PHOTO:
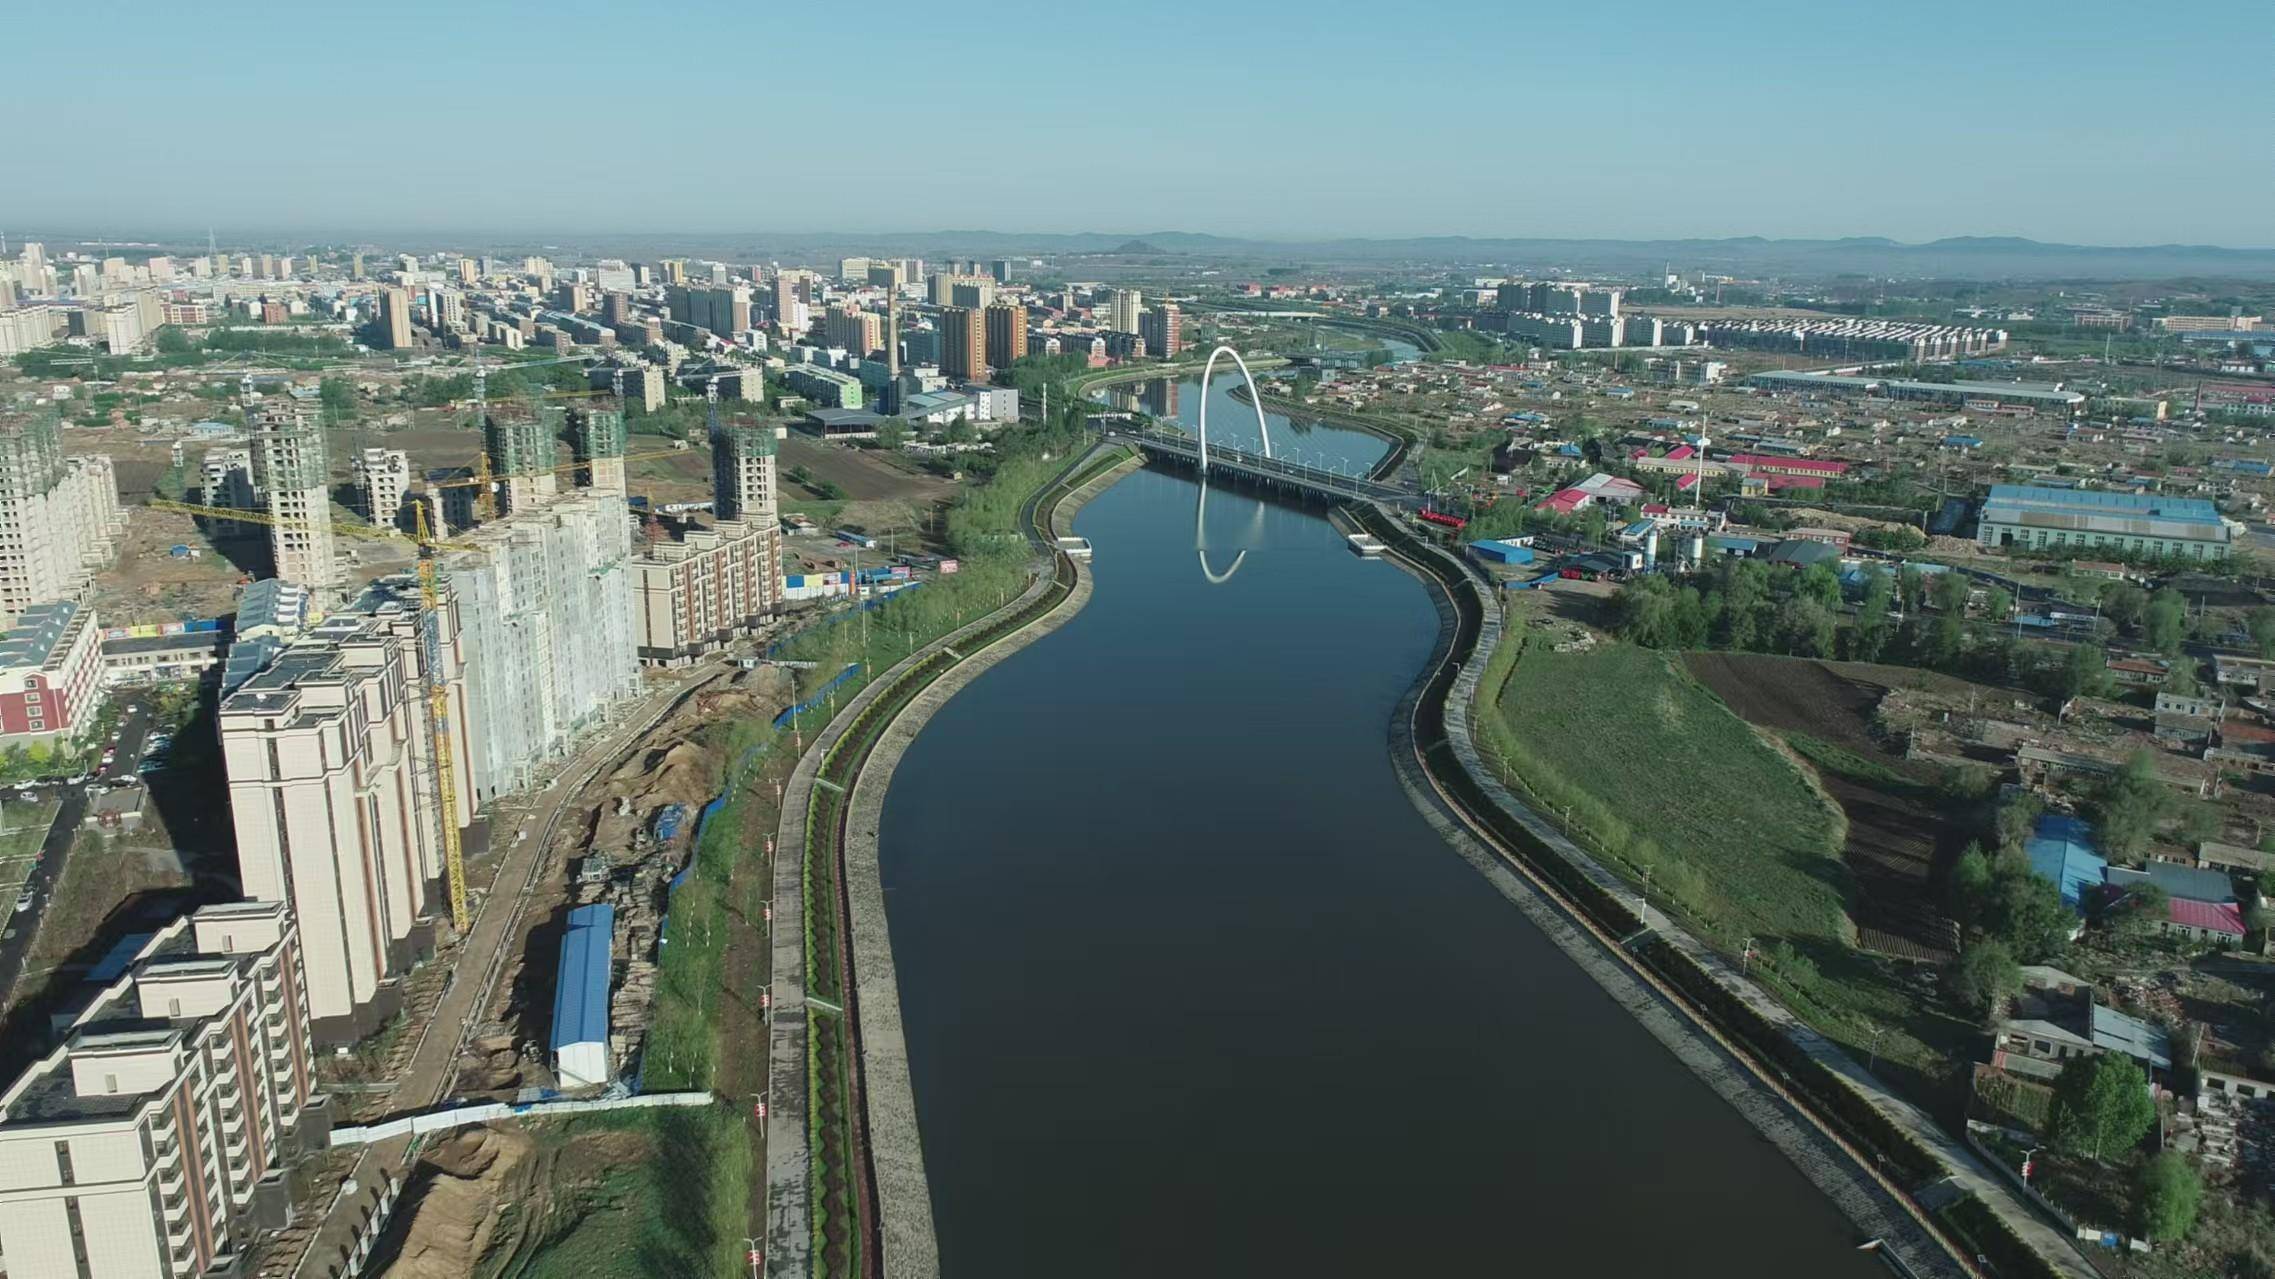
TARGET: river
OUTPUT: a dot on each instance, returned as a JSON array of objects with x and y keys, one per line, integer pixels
[{"x": 1191, "y": 989}]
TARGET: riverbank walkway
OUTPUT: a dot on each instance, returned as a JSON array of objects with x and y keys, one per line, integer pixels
[{"x": 1763, "y": 1102}]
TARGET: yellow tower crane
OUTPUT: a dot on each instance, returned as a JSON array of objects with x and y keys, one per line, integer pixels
[{"x": 430, "y": 660}]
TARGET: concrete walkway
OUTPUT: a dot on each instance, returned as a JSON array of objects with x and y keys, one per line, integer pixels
[
  {"x": 1840, "y": 1175},
  {"x": 896, "y": 1150}
]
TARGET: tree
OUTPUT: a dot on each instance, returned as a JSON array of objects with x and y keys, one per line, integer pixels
[
  {"x": 2182, "y": 681},
  {"x": 2139, "y": 911},
  {"x": 2027, "y": 912},
  {"x": 1911, "y": 587},
  {"x": 1822, "y": 584},
  {"x": 2102, "y": 1105},
  {"x": 1951, "y": 592},
  {"x": 2124, "y": 604},
  {"x": 1986, "y": 976},
  {"x": 2261, "y": 622},
  {"x": 2167, "y": 621},
  {"x": 2166, "y": 1194},
  {"x": 2083, "y": 673},
  {"x": 1998, "y": 604},
  {"x": 2016, "y": 820},
  {"x": 2130, "y": 805},
  {"x": 1967, "y": 888},
  {"x": 1805, "y": 628},
  {"x": 337, "y": 395},
  {"x": 892, "y": 432}
]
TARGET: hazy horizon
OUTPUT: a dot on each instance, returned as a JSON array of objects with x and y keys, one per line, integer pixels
[{"x": 1273, "y": 121}]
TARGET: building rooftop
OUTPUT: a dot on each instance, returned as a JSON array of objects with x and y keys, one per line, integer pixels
[
  {"x": 2061, "y": 850},
  {"x": 38, "y": 633},
  {"x": 580, "y": 992}
]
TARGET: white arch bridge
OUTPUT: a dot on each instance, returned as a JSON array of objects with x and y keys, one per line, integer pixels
[{"x": 1260, "y": 468}]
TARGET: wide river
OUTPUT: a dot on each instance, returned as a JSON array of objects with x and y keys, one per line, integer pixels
[{"x": 1190, "y": 988}]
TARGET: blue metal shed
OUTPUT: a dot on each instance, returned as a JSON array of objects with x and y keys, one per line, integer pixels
[{"x": 580, "y": 997}]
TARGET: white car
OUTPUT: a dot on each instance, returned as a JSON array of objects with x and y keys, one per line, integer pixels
[{"x": 26, "y": 899}]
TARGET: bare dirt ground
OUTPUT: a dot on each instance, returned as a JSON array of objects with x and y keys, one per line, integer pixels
[
  {"x": 1897, "y": 832},
  {"x": 679, "y": 764},
  {"x": 865, "y": 474}
]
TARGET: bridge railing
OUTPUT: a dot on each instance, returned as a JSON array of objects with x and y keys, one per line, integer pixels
[{"x": 1281, "y": 468}]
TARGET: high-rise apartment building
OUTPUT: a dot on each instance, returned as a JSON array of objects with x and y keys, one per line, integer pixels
[
  {"x": 1122, "y": 310},
  {"x": 383, "y": 479},
  {"x": 973, "y": 293},
  {"x": 724, "y": 311},
  {"x": 858, "y": 331},
  {"x": 853, "y": 270},
  {"x": 1006, "y": 334},
  {"x": 884, "y": 275},
  {"x": 161, "y": 1135},
  {"x": 1163, "y": 328},
  {"x": 330, "y": 760},
  {"x": 963, "y": 344},
  {"x": 395, "y": 316},
  {"x": 59, "y": 516},
  {"x": 706, "y": 586},
  {"x": 788, "y": 306},
  {"x": 547, "y": 601},
  {"x": 293, "y": 473}
]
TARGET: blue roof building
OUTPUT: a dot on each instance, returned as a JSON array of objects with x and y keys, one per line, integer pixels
[
  {"x": 2061, "y": 850},
  {"x": 580, "y": 998}
]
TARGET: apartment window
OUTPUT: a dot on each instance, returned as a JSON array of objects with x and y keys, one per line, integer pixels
[
  {"x": 63, "y": 1164},
  {"x": 110, "y": 1083},
  {"x": 173, "y": 1008},
  {"x": 78, "y": 1238}
]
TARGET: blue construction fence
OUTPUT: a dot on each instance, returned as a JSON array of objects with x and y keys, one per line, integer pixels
[{"x": 820, "y": 695}]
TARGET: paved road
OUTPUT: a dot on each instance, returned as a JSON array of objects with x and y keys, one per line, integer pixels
[{"x": 21, "y": 928}]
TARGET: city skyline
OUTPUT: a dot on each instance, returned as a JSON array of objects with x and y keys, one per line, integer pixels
[{"x": 1273, "y": 122}]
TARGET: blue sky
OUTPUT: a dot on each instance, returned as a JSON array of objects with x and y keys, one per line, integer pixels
[{"x": 2092, "y": 121}]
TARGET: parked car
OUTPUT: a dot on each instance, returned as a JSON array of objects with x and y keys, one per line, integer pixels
[{"x": 26, "y": 899}]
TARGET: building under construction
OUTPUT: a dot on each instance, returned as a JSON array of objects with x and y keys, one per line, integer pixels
[
  {"x": 292, "y": 471},
  {"x": 523, "y": 444}
]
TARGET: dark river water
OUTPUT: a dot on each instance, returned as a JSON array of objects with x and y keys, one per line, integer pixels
[{"x": 1190, "y": 988}]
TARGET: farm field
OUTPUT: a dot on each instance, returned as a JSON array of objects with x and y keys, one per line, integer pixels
[{"x": 1900, "y": 822}]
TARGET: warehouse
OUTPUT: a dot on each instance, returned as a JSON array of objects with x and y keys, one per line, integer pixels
[
  {"x": 2026, "y": 517},
  {"x": 2034, "y": 396}
]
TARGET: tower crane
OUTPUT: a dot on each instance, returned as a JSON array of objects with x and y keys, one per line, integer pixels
[{"x": 430, "y": 653}]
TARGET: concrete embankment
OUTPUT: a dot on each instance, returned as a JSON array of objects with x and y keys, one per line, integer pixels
[
  {"x": 1442, "y": 770},
  {"x": 896, "y": 1152}
]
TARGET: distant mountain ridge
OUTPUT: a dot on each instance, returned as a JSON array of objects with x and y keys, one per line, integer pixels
[
  {"x": 1967, "y": 255},
  {"x": 1953, "y": 257}
]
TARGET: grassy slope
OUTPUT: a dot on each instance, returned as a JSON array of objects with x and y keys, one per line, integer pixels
[
  {"x": 1656, "y": 771},
  {"x": 1671, "y": 766}
]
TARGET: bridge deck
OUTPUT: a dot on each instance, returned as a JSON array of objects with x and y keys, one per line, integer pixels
[{"x": 1269, "y": 470}]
